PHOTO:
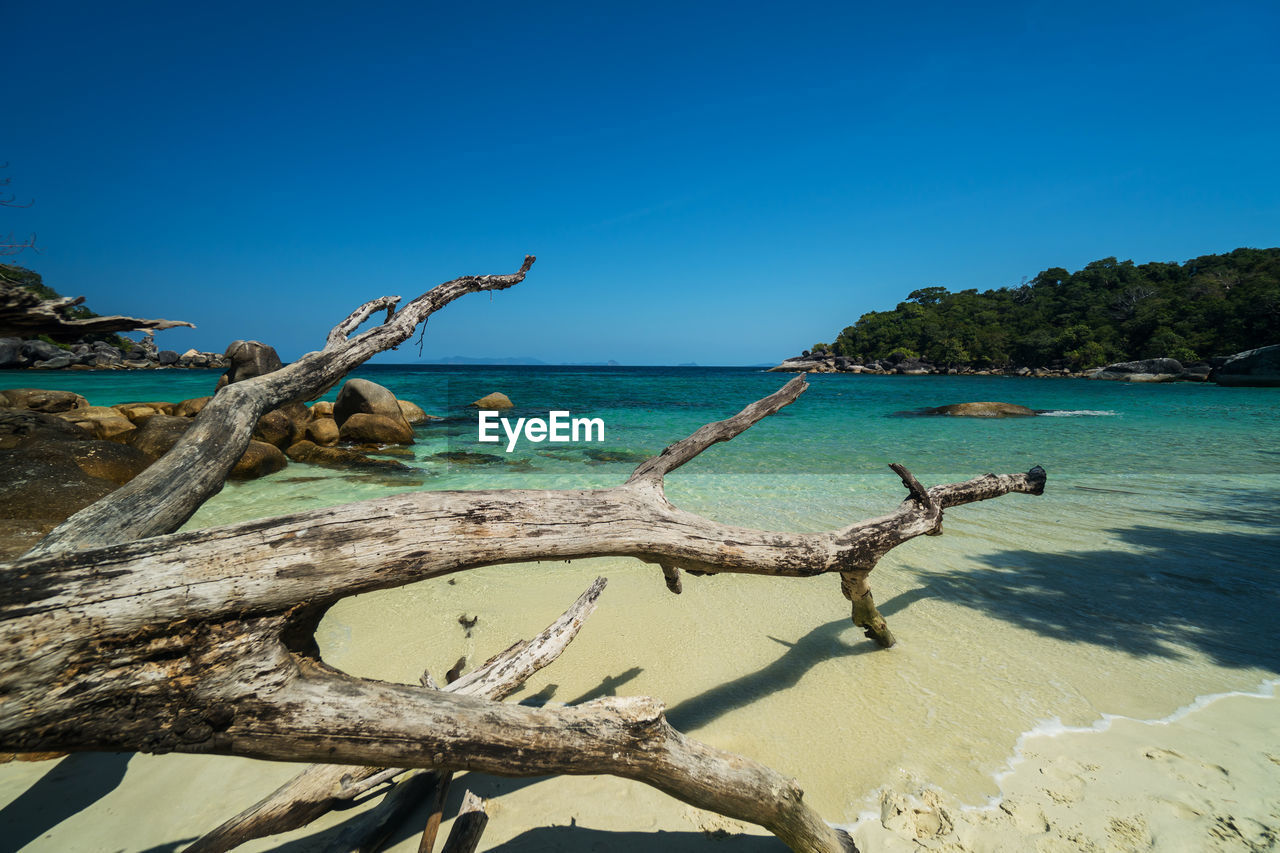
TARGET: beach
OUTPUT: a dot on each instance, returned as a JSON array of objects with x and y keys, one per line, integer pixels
[{"x": 1072, "y": 669}]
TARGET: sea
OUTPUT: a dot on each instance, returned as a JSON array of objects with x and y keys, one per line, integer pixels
[{"x": 1144, "y": 579}]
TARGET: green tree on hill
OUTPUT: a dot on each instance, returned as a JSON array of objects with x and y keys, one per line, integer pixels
[{"x": 1109, "y": 311}]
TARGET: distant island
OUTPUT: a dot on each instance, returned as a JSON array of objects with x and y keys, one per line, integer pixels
[{"x": 1110, "y": 311}]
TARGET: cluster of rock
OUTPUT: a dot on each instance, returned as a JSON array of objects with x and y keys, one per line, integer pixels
[
  {"x": 100, "y": 355},
  {"x": 902, "y": 365},
  {"x": 61, "y": 454},
  {"x": 1257, "y": 367}
]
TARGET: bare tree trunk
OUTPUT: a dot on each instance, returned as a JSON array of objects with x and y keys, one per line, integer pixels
[{"x": 204, "y": 641}]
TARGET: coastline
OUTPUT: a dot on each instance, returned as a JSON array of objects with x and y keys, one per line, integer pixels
[{"x": 988, "y": 648}]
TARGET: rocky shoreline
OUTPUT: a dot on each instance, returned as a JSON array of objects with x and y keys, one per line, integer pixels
[
  {"x": 61, "y": 454},
  {"x": 100, "y": 355},
  {"x": 1258, "y": 367}
]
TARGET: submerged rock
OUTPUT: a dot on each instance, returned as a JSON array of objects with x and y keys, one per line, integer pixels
[
  {"x": 342, "y": 458},
  {"x": 985, "y": 409},
  {"x": 496, "y": 400},
  {"x": 466, "y": 457},
  {"x": 1253, "y": 368}
]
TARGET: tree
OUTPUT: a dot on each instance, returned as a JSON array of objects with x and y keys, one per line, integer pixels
[
  {"x": 9, "y": 244},
  {"x": 118, "y": 634}
]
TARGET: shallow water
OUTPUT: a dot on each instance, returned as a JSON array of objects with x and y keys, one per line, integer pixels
[{"x": 1146, "y": 576}]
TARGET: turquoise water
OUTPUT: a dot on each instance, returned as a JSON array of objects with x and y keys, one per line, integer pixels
[{"x": 1146, "y": 576}]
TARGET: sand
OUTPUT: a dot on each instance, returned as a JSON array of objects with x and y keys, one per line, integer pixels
[{"x": 1204, "y": 779}]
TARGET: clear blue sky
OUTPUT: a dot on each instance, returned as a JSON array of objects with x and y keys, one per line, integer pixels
[{"x": 725, "y": 183}]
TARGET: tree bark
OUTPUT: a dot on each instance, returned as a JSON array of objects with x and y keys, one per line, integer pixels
[{"x": 204, "y": 641}]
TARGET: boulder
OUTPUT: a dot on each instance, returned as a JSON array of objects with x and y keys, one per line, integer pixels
[
  {"x": 322, "y": 409},
  {"x": 167, "y": 357},
  {"x": 101, "y": 421},
  {"x": 58, "y": 362},
  {"x": 11, "y": 352},
  {"x": 109, "y": 460},
  {"x": 135, "y": 412},
  {"x": 496, "y": 400},
  {"x": 323, "y": 431},
  {"x": 259, "y": 459},
  {"x": 158, "y": 434},
  {"x": 191, "y": 408},
  {"x": 42, "y": 486},
  {"x": 413, "y": 413},
  {"x": 39, "y": 400},
  {"x": 249, "y": 359},
  {"x": 276, "y": 428},
  {"x": 38, "y": 350},
  {"x": 343, "y": 458},
  {"x": 363, "y": 428},
  {"x": 986, "y": 409},
  {"x": 1146, "y": 370},
  {"x": 362, "y": 396},
  {"x": 17, "y": 426},
  {"x": 1256, "y": 368}
]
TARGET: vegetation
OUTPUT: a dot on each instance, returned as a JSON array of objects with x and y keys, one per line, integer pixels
[
  {"x": 1107, "y": 312},
  {"x": 31, "y": 280}
]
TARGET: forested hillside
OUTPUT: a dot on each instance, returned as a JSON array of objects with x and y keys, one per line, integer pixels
[{"x": 1107, "y": 312}]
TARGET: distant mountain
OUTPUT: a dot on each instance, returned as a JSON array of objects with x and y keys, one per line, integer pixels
[{"x": 466, "y": 359}]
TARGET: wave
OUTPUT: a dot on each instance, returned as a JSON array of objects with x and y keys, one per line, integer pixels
[
  {"x": 1054, "y": 728},
  {"x": 1078, "y": 413}
]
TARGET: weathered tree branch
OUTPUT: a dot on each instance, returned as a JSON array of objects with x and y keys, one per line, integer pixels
[
  {"x": 321, "y": 787},
  {"x": 204, "y": 641},
  {"x": 164, "y": 496}
]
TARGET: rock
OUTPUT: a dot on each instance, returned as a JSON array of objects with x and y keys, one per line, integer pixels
[
  {"x": 37, "y": 350},
  {"x": 107, "y": 358},
  {"x": 19, "y": 425},
  {"x": 167, "y": 357},
  {"x": 362, "y": 396},
  {"x": 11, "y": 352},
  {"x": 249, "y": 359},
  {"x": 1254, "y": 368},
  {"x": 323, "y": 431},
  {"x": 58, "y": 362},
  {"x": 322, "y": 409},
  {"x": 102, "y": 422},
  {"x": 343, "y": 458},
  {"x": 109, "y": 460},
  {"x": 158, "y": 434},
  {"x": 467, "y": 457},
  {"x": 1146, "y": 370},
  {"x": 982, "y": 410},
  {"x": 191, "y": 408},
  {"x": 39, "y": 400},
  {"x": 135, "y": 412},
  {"x": 259, "y": 459},
  {"x": 276, "y": 428},
  {"x": 413, "y": 413},
  {"x": 1196, "y": 372},
  {"x": 496, "y": 400},
  {"x": 363, "y": 428},
  {"x": 42, "y": 486}
]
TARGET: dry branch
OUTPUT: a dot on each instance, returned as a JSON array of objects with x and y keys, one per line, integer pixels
[
  {"x": 322, "y": 787},
  {"x": 165, "y": 495},
  {"x": 204, "y": 641},
  {"x": 24, "y": 314}
]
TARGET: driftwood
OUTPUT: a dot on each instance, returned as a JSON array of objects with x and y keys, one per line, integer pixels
[
  {"x": 467, "y": 828},
  {"x": 324, "y": 786},
  {"x": 24, "y": 314},
  {"x": 203, "y": 641}
]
